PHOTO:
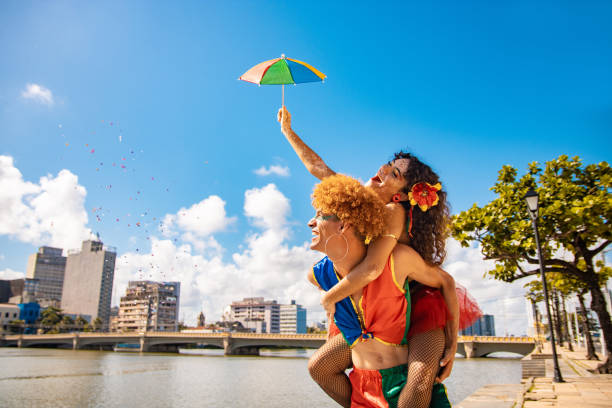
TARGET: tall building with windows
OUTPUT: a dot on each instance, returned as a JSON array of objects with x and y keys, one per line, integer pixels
[
  {"x": 149, "y": 306},
  {"x": 257, "y": 314},
  {"x": 88, "y": 281},
  {"x": 48, "y": 267},
  {"x": 292, "y": 318},
  {"x": 484, "y": 326}
]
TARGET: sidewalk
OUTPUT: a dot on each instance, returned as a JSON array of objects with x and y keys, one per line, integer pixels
[{"x": 581, "y": 388}]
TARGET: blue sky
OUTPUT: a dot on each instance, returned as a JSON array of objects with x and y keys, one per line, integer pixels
[{"x": 467, "y": 87}]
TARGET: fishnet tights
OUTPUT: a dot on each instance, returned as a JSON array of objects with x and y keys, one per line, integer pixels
[
  {"x": 327, "y": 367},
  {"x": 328, "y": 364},
  {"x": 424, "y": 354}
]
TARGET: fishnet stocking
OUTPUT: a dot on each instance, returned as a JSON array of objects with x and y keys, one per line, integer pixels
[
  {"x": 424, "y": 354},
  {"x": 327, "y": 367}
]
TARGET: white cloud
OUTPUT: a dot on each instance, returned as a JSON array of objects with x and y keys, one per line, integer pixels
[
  {"x": 51, "y": 212},
  {"x": 38, "y": 93},
  {"x": 282, "y": 171},
  {"x": 267, "y": 266},
  {"x": 200, "y": 220},
  {"x": 505, "y": 301},
  {"x": 9, "y": 274},
  {"x": 267, "y": 207}
]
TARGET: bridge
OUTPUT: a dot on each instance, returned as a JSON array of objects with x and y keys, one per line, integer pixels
[{"x": 236, "y": 343}]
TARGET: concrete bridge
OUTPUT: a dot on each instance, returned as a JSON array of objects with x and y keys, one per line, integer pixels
[
  {"x": 236, "y": 343},
  {"x": 482, "y": 346}
]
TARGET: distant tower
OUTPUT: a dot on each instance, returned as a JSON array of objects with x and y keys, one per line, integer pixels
[
  {"x": 88, "y": 282},
  {"x": 47, "y": 267},
  {"x": 201, "y": 320}
]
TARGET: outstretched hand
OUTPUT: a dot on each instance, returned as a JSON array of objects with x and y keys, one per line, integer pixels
[
  {"x": 446, "y": 364},
  {"x": 284, "y": 117}
]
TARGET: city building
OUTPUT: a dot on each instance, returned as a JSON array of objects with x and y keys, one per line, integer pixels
[
  {"x": 47, "y": 268},
  {"x": 8, "y": 313},
  {"x": 256, "y": 314},
  {"x": 484, "y": 326},
  {"x": 88, "y": 282},
  {"x": 292, "y": 318},
  {"x": 149, "y": 306},
  {"x": 10, "y": 288}
]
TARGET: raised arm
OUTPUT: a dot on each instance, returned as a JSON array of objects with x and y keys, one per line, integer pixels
[
  {"x": 314, "y": 164},
  {"x": 410, "y": 263},
  {"x": 373, "y": 264}
]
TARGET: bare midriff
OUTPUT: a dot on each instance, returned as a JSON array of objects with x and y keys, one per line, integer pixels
[{"x": 371, "y": 354}]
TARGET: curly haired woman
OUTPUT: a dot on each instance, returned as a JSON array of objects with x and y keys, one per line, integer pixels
[{"x": 433, "y": 334}]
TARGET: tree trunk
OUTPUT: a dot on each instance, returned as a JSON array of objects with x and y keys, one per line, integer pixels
[
  {"x": 598, "y": 304},
  {"x": 557, "y": 323},
  {"x": 566, "y": 324},
  {"x": 586, "y": 329}
]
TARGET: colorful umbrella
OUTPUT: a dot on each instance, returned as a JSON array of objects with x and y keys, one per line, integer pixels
[{"x": 281, "y": 71}]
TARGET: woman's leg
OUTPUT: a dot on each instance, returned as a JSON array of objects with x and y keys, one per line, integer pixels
[
  {"x": 424, "y": 354},
  {"x": 327, "y": 367}
]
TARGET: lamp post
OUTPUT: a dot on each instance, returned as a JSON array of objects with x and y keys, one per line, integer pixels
[{"x": 532, "y": 204}]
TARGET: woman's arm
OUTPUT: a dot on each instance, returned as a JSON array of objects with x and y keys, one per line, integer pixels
[
  {"x": 373, "y": 264},
  {"x": 314, "y": 164},
  {"x": 409, "y": 262}
]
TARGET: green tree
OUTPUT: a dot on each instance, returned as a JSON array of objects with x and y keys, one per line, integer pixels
[
  {"x": 97, "y": 324},
  {"x": 16, "y": 326},
  {"x": 67, "y": 323},
  {"x": 574, "y": 226},
  {"x": 50, "y": 319},
  {"x": 80, "y": 323}
]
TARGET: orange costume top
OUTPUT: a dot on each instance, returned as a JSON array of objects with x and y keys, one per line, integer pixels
[{"x": 384, "y": 306}]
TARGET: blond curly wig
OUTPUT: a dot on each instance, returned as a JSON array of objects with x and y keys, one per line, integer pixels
[{"x": 351, "y": 202}]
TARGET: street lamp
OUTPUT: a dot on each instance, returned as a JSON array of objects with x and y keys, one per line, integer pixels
[{"x": 532, "y": 204}]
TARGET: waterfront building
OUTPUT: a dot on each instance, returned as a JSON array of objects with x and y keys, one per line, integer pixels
[
  {"x": 256, "y": 314},
  {"x": 88, "y": 281},
  {"x": 484, "y": 326},
  {"x": 8, "y": 313},
  {"x": 292, "y": 318},
  {"x": 149, "y": 306},
  {"x": 29, "y": 312},
  {"x": 48, "y": 267},
  {"x": 10, "y": 289}
]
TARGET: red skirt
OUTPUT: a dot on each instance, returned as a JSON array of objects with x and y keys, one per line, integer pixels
[{"x": 429, "y": 311}]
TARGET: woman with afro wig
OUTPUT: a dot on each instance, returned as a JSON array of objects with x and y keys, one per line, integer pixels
[{"x": 435, "y": 320}]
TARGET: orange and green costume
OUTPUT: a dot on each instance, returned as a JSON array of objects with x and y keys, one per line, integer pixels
[{"x": 385, "y": 307}]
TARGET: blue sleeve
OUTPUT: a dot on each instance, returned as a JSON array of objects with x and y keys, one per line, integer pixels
[{"x": 324, "y": 274}]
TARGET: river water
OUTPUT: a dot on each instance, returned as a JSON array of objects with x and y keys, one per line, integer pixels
[{"x": 35, "y": 377}]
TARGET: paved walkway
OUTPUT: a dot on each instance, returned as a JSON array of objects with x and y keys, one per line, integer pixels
[{"x": 581, "y": 388}]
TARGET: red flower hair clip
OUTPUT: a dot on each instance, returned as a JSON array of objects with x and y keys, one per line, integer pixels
[{"x": 425, "y": 196}]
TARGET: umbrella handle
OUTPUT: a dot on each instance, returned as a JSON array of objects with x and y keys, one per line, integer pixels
[{"x": 283, "y": 97}]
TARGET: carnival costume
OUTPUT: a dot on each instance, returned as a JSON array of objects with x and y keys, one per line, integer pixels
[{"x": 386, "y": 309}]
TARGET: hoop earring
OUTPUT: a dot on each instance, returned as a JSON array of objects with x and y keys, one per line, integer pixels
[
  {"x": 345, "y": 241},
  {"x": 396, "y": 198}
]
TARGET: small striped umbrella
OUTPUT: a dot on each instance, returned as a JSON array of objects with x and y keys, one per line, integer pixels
[{"x": 281, "y": 71}]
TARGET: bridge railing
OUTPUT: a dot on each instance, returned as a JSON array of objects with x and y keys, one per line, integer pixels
[{"x": 495, "y": 339}]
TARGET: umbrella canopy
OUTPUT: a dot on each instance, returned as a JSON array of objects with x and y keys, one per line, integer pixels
[{"x": 282, "y": 71}]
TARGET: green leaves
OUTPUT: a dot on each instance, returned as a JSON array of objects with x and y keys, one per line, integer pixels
[{"x": 574, "y": 213}]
